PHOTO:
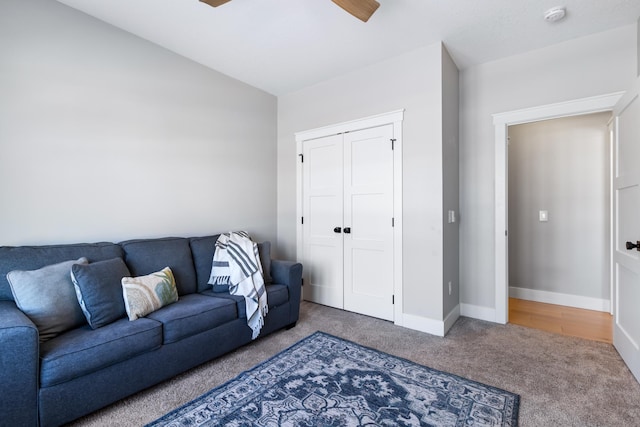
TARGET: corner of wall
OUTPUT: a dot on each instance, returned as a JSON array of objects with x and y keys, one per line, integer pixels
[
  {"x": 478, "y": 312},
  {"x": 423, "y": 324},
  {"x": 451, "y": 181},
  {"x": 451, "y": 318},
  {"x": 431, "y": 326}
]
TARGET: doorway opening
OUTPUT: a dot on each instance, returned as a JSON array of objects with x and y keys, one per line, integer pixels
[
  {"x": 559, "y": 225},
  {"x": 502, "y": 121}
]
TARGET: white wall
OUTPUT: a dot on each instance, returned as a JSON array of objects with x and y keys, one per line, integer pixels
[
  {"x": 561, "y": 166},
  {"x": 450, "y": 177},
  {"x": 411, "y": 81},
  {"x": 105, "y": 136},
  {"x": 594, "y": 65}
]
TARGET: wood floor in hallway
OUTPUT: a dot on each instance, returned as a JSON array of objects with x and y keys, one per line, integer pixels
[{"x": 575, "y": 322}]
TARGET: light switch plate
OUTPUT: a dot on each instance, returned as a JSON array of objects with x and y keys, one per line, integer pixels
[{"x": 544, "y": 216}]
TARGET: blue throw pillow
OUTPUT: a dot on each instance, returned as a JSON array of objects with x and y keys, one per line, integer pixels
[{"x": 99, "y": 290}]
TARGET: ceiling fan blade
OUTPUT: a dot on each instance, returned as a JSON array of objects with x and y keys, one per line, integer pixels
[
  {"x": 361, "y": 9},
  {"x": 215, "y": 3}
]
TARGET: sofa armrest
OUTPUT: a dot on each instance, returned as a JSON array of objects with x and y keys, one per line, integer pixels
[
  {"x": 19, "y": 361},
  {"x": 289, "y": 273}
]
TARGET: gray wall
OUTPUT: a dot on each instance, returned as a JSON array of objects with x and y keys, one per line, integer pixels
[
  {"x": 561, "y": 166},
  {"x": 411, "y": 81},
  {"x": 105, "y": 136},
  {"x": 594, "y": 65},
  {"x": 450, "y": 174}
]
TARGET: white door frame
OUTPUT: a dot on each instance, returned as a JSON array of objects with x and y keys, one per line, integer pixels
[
  {"x": 502, "y": 121},
  {"x": 394, "y": 118}
]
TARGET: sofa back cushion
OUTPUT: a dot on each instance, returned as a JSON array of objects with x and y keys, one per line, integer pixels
[
  {"x": 146, "y": 256},
  {"x": 35, "y": 257},
  {"x": 203, "y": 248},
  {"x": 264, "y": 250}
]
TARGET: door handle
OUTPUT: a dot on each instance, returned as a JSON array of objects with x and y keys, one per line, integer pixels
[
  {"x": 630, "y": 245},
  {"x": 347, "y": 230},
  {"x": 338, "y": 230}
]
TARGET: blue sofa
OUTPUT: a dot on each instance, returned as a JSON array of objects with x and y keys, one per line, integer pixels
[{"x": 85, "y": 369}]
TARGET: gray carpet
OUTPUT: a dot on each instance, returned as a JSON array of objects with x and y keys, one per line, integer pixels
[{"x": 561, "y": 381}]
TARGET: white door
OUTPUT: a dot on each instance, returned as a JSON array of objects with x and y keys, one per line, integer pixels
[
  {"x": 626, "y": 206},
  {"x": 347, "y": 209},
  {"x": 322, "y": 213},
  {"x": 368, "y": 216}
]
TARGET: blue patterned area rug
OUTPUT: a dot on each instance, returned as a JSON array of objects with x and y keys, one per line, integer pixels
[{"x": 327, "y": 381}]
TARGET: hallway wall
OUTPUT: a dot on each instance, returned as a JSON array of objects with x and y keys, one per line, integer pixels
[{"x": 560, "y": 166}]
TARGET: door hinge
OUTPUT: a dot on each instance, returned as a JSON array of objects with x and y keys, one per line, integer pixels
[
  {"x": 301, "y": 158},
  {"x": 505, "y": 233},
  {"x": 393, "y": 299},
  {"x": 393, "y": 222},
  {"x": 393, "y": 141},
  {"x": 301, "y": 220}
]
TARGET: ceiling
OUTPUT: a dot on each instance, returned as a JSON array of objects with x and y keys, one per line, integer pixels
[{"x": 281, "y": 46}]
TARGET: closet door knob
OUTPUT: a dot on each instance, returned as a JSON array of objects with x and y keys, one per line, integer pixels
[
  {"x": 630, "y": 245},
  {"x": 347, "y": 230},
  {"x": 338, "y": 230}
]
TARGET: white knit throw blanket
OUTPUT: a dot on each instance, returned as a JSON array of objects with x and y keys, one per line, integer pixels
[{"x": 236, "y": 258}]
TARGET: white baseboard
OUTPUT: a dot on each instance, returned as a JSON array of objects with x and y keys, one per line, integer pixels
[
  {"x": 451, "y": 318},
  {"x": 478, "y": 312},
  {"x": 577, "y": 301},
  {"x": 423, "y": 324},
  {"x": 430, "y": 326}
]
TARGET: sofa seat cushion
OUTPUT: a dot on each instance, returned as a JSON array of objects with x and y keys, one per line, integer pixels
[
  {"x": 193, "y": 314},
  {"x": 276, "y": 296},
  {"x": 85, "y": 350}
]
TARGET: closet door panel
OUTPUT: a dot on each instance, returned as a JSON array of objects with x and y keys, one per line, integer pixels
[
  {"x": 368, "y": 213},
  {"x": 322, "y": 213}
]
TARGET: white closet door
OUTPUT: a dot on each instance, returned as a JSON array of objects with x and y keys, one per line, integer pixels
[
  {"x": 368, "y": 229},
  {"x": 322, "y": 212}
]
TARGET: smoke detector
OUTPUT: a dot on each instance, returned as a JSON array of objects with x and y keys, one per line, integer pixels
[{"x": 555, "y": 14}]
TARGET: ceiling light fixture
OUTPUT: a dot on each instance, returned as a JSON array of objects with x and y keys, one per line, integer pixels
[{"x": 555, "y": 14}]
